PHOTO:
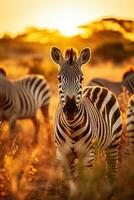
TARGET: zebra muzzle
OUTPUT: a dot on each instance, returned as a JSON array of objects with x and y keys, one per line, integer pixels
[{"x": 70, "y": 108}]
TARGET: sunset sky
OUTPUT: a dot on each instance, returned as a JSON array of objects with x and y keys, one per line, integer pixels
[{"x": 64, "y": 15}]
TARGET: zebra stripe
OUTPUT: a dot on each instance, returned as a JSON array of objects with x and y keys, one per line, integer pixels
[
  {"x": 116, "y": 87},
  {"x": 79, "y": 125},
  {"x": 130, "y": 123},
  {"x": 20, "y": 99},
  {"x": 128, "y": 81}
]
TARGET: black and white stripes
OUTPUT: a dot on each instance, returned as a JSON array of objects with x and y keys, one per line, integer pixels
[
  {"x": 130, "y": 124},
  {"x": 83, "y": 119},
  {"x": 116, "y": 87},
  {"x": 128, "y": 81},
  {"x": 20, "y": 99}
]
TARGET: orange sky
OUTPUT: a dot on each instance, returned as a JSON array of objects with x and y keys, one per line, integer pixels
[{"x": 65, "y": 15}]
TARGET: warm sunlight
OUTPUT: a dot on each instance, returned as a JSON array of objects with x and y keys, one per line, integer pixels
[
  {"x": 40, "y": 125},
  {"x": 62, "y": 15},
  {"x": 68, "y": 30},
  {"x": 67, "y": 20},
  {"x": 65, "y": 25}
]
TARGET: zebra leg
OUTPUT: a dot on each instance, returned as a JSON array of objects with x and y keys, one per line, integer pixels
[
  {"x": 112, "y": 156},
  {"x": 37, "y": 126},
  {"x": 89, "y": 160},
  {"x": 69, "y": 176},
  {"x": 45, "y": 112},
  {"x": 12, "y": 132},
  {"x": 68, "y": 172},
  {"x": 12, "y": 123},
  {"x": 73, "y": 177}
]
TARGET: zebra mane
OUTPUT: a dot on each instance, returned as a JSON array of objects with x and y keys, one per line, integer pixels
[
  {"x": 131, "y": 71},
  {"x": 2, "y": 72},
  {"x": 71, "y": 55}
]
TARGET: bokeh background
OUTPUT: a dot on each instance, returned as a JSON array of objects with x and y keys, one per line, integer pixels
[{"x": 28, "y": 30}]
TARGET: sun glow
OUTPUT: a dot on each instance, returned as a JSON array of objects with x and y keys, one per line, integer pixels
[
  {"x": 65, "y": 15},
  {"x": 67, "y": 20},
  {"x": 68, "y": 30}
]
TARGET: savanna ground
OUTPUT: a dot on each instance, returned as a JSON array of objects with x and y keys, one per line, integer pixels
[{"x": 32, "y": 174}]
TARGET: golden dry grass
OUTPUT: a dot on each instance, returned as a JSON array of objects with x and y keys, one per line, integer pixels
[{"x": 32, "y": 174}]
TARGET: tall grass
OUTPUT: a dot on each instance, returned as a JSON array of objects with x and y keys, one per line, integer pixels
[{"x": 32, "y": 173}]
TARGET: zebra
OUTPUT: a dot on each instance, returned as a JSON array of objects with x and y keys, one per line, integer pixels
[
  {"x": 20, "y": 99},
  {"x": 114, "y": 87},
  {"x": 83, "y": 118},
  {"x": 127, "y": 82},
  {"x": 130, "y": 124}
]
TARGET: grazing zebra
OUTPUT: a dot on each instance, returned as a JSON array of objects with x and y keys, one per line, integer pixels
[
  {"x": 130, "y": 123},
  {"x": 81, "y": 120},
  {"x": 114, "y": 87},
  {"x": 20, "y": 99}
]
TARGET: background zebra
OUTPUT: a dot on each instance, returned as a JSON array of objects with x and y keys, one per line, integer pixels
[
  {"x": 80, "y": 122},
  {"x": 20, "y": 99},
  {"x": 128, "y": 81},
  {"x": 130, "y": 124},
  {"x": 116, "y": 87}
]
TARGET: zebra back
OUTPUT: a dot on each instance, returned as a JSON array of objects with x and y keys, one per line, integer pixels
[
  {"x": 114, "y": 87},
  {"x": 32, "y": 92}
]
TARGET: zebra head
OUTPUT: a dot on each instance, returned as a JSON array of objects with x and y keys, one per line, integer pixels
[{"x": 70, "y": 78}]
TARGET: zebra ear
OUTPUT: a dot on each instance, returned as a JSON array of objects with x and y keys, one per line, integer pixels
[
  {"x": 57, "y": 56},
  {"x": 84, "y": 56}
]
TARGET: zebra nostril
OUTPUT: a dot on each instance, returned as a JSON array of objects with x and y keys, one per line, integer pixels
[{"x": 70, "y": 108}]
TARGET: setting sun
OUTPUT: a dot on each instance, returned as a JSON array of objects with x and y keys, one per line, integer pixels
[
  {"x": 66, "y": 23},
  {"x": 68, "y": 30},
  {"x": 66, "y": 19}
]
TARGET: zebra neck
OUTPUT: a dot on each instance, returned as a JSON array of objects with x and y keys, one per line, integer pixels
[{"x": 5, "y": 90}]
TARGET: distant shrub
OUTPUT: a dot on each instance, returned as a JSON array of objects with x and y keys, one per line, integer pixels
[
  {"x": 115, "y": 52},
  {"x": 36, "y": 70}
]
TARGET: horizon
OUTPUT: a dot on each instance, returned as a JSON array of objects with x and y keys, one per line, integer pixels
[{"x": 79, "y": 32}]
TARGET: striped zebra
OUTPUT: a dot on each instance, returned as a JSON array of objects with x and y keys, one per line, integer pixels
[
  {"x": 20, "y": 99},
  {"x": 116, "y": 87},
  {"x": 130, "y": 124},
  {"x": 128, "y": 81},
  {"x": 81, "y": 120}
]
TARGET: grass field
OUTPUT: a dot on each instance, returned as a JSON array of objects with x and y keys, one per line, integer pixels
[{"x": 32, "y": 173}]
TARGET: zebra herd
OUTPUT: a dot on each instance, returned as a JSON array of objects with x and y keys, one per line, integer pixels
[{"x": 84, "y": 117}]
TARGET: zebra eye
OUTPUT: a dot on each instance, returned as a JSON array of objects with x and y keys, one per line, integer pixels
[
  {"x": 59, "y": 78},
  {"x": 81, "y": 79}
]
